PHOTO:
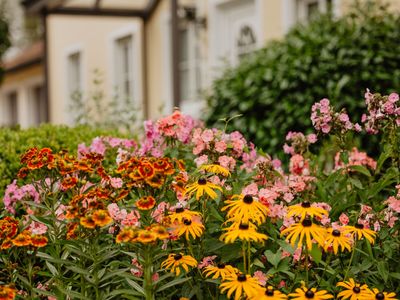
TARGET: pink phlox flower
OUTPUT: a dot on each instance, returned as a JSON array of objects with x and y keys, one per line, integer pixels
[{"x": 206, "y": 261}]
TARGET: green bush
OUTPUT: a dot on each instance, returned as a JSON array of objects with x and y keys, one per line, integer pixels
[
  {"x": 4, "y": 40},
  {"x": 333, "y": 58},
  {"x": 14, "y": 142}
]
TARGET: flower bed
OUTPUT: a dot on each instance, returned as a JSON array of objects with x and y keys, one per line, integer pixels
[{"x": 197, "y": 213}]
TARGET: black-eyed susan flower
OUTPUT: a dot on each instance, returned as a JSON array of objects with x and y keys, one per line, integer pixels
[
  {"x": 305, "y": 294},
  {"x": 238, "y": 284},
  {"x": 269, "y": 293},
  {"x": 305, "y": 209},
  {"x": 202, "y": 186},
  {"x": 220, "y": 270},
  {"x": 101, "y": 218},
  {"x": 160, "y": 231},
  {"x": 335, "y": 239},
  {"x": 180, "y": 214},
  {"x": 242, "y": 231},
  {"x": 146, "y": 237},
  {"x": 245, "y": 208},
  {"x": 146, "y": 203},
  {"x": 306, "y": 231},
  {"x": 175, "y": 262},
  {"x": 359, "y": 231},
  {"x": 87, "y": 222},
  {"x": 375, "y": 294},
  {"x": 39, "y": 241},
  {"x": 189, "y": 227},
  {"x": 216, "y": 169},
  {"x": 353, "y": 290}
]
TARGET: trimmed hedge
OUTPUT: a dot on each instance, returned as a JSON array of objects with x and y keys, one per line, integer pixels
[
  {"x": 334, "y": 58},
  {"x": 14, "y": 142}
]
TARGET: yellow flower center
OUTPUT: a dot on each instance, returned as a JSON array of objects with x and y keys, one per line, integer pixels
[
  {"x": 187, "y": 222},
  {"x": 309, "y": 294},
  {"x": 241, "y": 277},
  {"x": 306, "y": 223},
  {"x": 177, "y": 256},
  {"x": 221, "y": 266},
  {"x": 380, "y": 296},
  {"x": 202, "y": 181},
  {"x": 305, "y": 204},
  {"x": 336, "y": 233},
  {"x": 248, "y": 199},
  {"x": 359, "y": 226},
  {"x": 356, "y": 290},
  {"x": 243, "y": 226}
]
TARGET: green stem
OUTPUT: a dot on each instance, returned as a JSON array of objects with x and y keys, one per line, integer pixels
[
  {"x": 248, "y": 257},
  {"x": 326, "y": 266},
  {"x": 148, "y": 285},
  {"x": 244, "y": 256},
  {"x": 351, "y": 258},
  {"x": 306, "y": 250}
]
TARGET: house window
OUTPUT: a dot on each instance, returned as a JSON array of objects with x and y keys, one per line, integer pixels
[
  {"x": 40, "y": 106},
  {"x": 308, "y": 9},
  {"x": 12, "y": 108},
  {"x": 74, "y": 75},
  {"x": 189, "y": 66},
  {"x": 124, "y": 67},
  {"x": 246, "y": 41}
]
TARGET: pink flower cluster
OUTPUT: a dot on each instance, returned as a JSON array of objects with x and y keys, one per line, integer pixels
[
  {"x": 381, "y": 109},
  {"x": 100, "y": 145},
  {"x": 176, "y": 126},
  {"x": 298, "y": 143},
  {"x": 122, "y": 217},
  {"x": 325, "y": 119},
  {"x": 356, "y": 158},
  {"x": 13, "y": 194}
]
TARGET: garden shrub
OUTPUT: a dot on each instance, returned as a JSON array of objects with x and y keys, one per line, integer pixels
[
  {"x": 337, "y": 58},
  {"x": 15, "y": 141}
]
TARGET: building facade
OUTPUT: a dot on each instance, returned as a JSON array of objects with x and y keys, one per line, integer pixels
[{"x": 152, "y": 54}]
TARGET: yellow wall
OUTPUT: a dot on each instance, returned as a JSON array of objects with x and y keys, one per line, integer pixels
[
  {"x": 93, "y": 36},
  {"x": 272, "y": 23},
  {"x": 156, "y": 53}
]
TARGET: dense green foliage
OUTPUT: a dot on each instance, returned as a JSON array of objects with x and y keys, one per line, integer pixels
[
  {"x": 333, "y": 58},
  {"x": 15, "y": 142}
]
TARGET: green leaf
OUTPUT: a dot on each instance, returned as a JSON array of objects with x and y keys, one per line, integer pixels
[
  {"x": 316, "y": 253},
  {"x": 273, "y": 258},
  {"x": 383, "y": 270},
  {"x": 52, "y": 268},
  {"x": 172, "y": 283},
  {"x": 136, "y": 286}
]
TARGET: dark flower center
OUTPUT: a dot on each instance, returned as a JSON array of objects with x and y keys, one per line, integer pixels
[
  {"x": 336, "y": 233},
  {"x": 356, "y": 289},
  {"x": 243, "y": 277},
  {"x": 202, "y": 181},
  {"x": 306, "y": 223},
  {"x": 305, "y": 204},
  {"x": 269, "y": 292},
  {"x": 309, "y": 294},
  {"x": 221, "y": 266},
  {"x": 243, "y": 226},
  {"x": 177, "y": 256},
  {"x": 179, "y": 210},
  {"x": 248, "y": 199},
  {"x": 359, "y": 226},
  {"x": 187, "y": 222},
  {"x": 380, "y": 296}
]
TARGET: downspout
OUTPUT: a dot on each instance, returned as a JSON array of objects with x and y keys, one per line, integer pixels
[{"x": 175, "y": 53}]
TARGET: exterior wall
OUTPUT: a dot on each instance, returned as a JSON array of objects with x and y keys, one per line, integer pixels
[
  {"x": 393, "y": 4},
  {"x": 22, "y": 83},
  {"x": 158, "y": 60},
  {"x": 272, "y": 20},
  {"x": 93, "y": 37}
]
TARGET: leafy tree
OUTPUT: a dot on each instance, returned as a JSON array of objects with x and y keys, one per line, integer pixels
[
  {"x": 4, "y": 40},
  {"x": 330, "y": 57}
]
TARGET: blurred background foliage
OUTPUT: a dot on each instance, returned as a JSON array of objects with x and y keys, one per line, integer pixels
[{"x": 335, "y": 58}]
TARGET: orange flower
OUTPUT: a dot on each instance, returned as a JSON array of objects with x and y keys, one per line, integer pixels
[
  {"x": 23, "y": 172},
  {"x": 39, "y": 241},
  {"x": 8, "y": 227},
  {"x": 88, "y": 222},
  {"x": 7, "y": 244},
  {"x": 126, "y": 235},
  {"x": 156, "y": 181},
  {"x": 146, "y": 237},
  {"x": 69, "y": 183},
  {"x": 146, "y": 203},
  {"x": 7, "y": 292},
  {"x": 72, "y": 231},
  {"x": 22, "y": 239},
  {"x": 160, "y": 231},
  {"x": 101, "y": 218},
  {"x": 122, "y": 195},
  {"x": 146, "y": 170}
]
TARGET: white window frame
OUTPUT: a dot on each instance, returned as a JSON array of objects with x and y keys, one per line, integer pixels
[
  {"x": 132, "y": 30},
  {"x": 292, "y": 14},
  {"x": 71, "y": 50},
  {"x": 215, "y": 21}
]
